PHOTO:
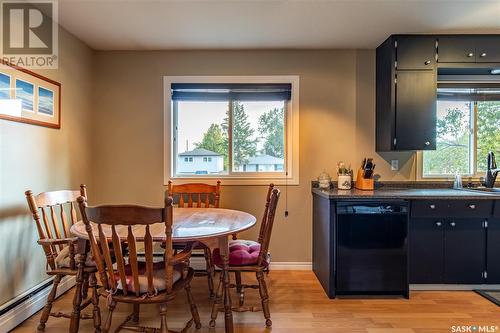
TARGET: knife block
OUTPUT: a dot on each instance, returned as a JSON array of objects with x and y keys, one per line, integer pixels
[{"x": 362, "y": 183}]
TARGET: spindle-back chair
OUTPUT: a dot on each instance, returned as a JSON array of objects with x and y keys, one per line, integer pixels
[
  {"x": 133, "y": 281},
  {"x": 259, "y": 267},
  {"x": 198, "y": 195},
  {"x": 54, "y": 213}
]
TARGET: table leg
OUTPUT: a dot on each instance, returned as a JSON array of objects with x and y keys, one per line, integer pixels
[
  {"x": 228, "y": 312},
  {"x": 77, "y": 299}
]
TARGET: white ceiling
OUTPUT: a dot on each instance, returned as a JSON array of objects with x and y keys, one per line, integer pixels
[{"x": 267, "y": 24}]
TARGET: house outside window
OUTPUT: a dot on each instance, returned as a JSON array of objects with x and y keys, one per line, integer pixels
[
  {"x": 468, "y": 127},
  {"x": 244, "y": 130}
]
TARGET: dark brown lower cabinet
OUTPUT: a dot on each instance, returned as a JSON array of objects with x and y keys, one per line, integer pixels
[
  {"x": 464, "y": 251},
  {"x": 493, "y": 251},
  {"x": 426, "y": 250},
  {"x": 450, "y": 251}
]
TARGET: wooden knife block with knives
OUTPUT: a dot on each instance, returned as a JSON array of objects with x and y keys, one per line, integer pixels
[{"x": 364, "y": 178}]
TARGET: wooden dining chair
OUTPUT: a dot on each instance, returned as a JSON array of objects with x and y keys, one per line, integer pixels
[
  {"x": 198, "y": 196},
  {"x": 249, "y": 256},
  {"x": 54, "y": 214},
  {"x": 133, "y": 281}
]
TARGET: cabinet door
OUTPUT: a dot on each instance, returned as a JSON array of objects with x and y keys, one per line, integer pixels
[
  {"x": 416, "y": 53},
  {"x": 416, "y": 110},
  {"x": 488, "y": 49},
  {"x": 426, "y": 250},
  {"x": 493, "y": 251},
  {"x": 457, "y": 49},
  {"x": 464, "y": 250}
]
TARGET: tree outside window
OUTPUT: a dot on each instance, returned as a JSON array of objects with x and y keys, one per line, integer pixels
[{"x": 466, "y": 132}]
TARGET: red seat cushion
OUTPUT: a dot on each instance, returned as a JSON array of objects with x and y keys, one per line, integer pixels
[{"x": 241, "y": 253}]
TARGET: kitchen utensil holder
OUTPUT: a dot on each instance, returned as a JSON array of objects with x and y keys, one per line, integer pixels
[{"x": 363, "y": 183}]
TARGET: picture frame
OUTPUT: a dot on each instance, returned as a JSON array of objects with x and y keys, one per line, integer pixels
[{"x": 29, "y": 97}]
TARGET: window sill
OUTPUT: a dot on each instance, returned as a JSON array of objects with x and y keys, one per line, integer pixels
[{"x": 236, "y": 181}]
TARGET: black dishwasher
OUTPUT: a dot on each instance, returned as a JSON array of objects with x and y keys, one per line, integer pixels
[{"x": 372, "y": 248}]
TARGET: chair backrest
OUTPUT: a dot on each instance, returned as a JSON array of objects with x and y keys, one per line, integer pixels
[
  {"x": 136, "y": 220},
  {"x": 50, "y": 211},
  {"x": 266, "y": 227},
  {"x": 264, "y": 217},
  {"x": 195, "y": 195}
]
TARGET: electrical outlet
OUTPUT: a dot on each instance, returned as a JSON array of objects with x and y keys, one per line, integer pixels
[{"x": 394, "y": 165}]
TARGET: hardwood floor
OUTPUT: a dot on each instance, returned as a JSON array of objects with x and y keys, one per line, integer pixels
[{"x": 298, "y": 304}]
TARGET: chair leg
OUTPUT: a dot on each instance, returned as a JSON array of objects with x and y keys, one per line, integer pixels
[
  {"x": 217, "y": 302},
  {"x": 163, "y": 317},
  {"x": 210, "y": 271},
  {"x": 109, "y": 318},
  {"x": 48, "y": 305},
  {"x": 135, "y": 314},
  {"x": 264, "y": 297},
  {"x": 239, "y": 287},
  {"x": 95, "y": 303},
  {"x": 192, "y": 305},
  {"x": 74, "y": 325},
  {"x": 85, "y": 285}
]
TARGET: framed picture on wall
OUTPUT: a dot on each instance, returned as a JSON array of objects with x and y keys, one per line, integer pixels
[{"x": 29, "y": 97}]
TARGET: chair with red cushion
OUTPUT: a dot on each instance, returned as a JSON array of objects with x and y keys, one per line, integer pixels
[
  {"x": 250, "y": 256},
  {"x": 131, "y": 281},
  {"x": 198, "y": 196}
]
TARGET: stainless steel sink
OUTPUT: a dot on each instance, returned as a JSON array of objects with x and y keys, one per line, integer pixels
[{"x": 483, "y": 189}]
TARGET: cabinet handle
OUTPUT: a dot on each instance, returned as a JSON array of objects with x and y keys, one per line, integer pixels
[
  {"x": 452, "y": 224},
  {"x": 439, "y": 224},
  {"x": 470, "y": 55},
  {"x": 432, "y": 206},
  {"x": 482, "y": 55},
  {"x": 472, "y": 206},
  {"x": 427, "y": 143},
  {"x": 428, "y": 62}
]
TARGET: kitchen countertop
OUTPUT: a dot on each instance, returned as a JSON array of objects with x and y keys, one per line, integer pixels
[{"x": 405, "y": 193}]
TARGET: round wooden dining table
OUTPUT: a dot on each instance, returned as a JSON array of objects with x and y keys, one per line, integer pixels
[{"x": 210, "y": 226}]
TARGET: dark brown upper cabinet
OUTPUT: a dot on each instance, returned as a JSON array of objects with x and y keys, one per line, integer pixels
[
  {"x": 415, "y": 110},
  {"x": 406, "y": 94},
  {"x": 457, "y": 49},
  {"x": 415, "y": 53},
  {"x": 469, "y": 49},
  {"x": 406, "y": 79},
  {"x": 488, "y": 49}
]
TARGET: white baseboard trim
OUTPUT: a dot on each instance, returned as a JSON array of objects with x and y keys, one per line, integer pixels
[
  {"x": 198, "y": 263},
  {"x": 31, "y": 305},
  {"x": 449, "y": 287}
]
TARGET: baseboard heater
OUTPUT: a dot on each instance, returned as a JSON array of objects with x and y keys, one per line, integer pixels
[{"x": 30, "y": 302}]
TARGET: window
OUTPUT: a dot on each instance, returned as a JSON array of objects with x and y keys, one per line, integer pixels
[
  {"x": 238, "y": 130},
  {"x": 468, "y": 127}
]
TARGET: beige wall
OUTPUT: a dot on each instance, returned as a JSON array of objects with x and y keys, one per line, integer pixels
[
  {"x": 42, "y": 159},
  {"x": 112, "y": 139},
  {"x": 337, "y": 112}
]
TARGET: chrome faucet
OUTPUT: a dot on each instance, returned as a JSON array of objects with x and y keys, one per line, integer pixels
[{"x": 491, "y": 173}]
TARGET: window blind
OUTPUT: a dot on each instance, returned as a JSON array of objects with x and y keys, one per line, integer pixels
[
  {"x": 231, "y": 91},
  {"x": 463, "y": 92}
]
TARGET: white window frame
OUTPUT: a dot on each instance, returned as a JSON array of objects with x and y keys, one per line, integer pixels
[
  {"x": 475, "y": 175},
  {"x": 290, "y": 176}
]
